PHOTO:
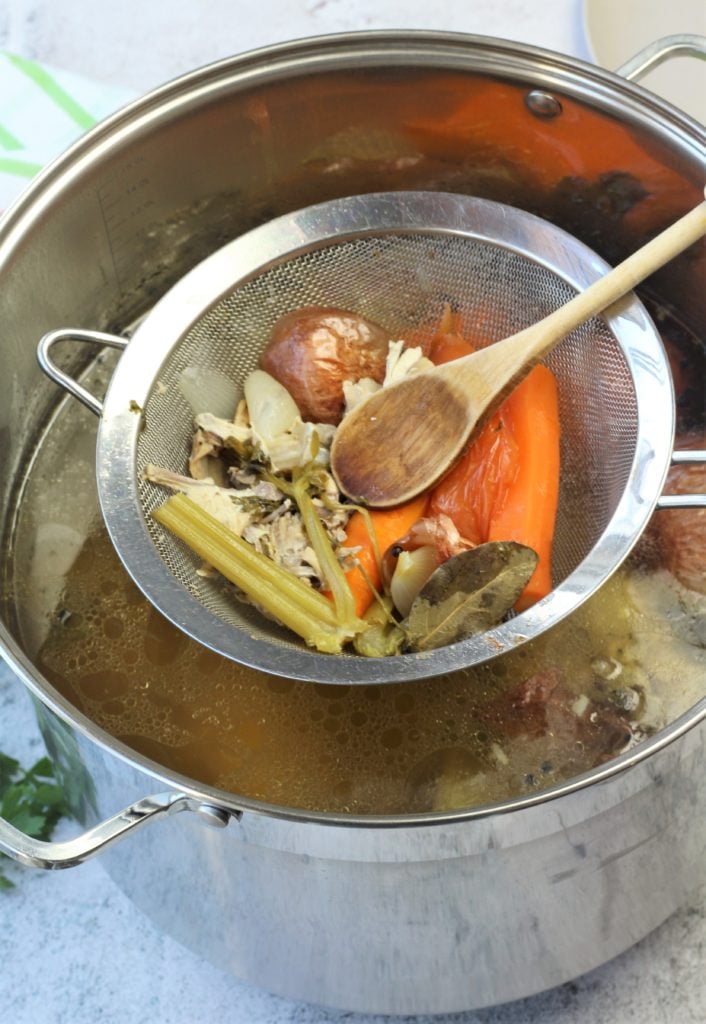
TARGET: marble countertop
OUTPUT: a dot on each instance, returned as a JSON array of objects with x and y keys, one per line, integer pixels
[{"x": 73, "y": 949}]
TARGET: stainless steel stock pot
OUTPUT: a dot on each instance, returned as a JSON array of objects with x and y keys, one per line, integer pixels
[{"x": 407, "y": 914}]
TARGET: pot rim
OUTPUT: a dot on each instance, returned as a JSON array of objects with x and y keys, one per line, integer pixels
[
  {"x": 386, "y": 49},
  {"x": 412, "y": 47}
]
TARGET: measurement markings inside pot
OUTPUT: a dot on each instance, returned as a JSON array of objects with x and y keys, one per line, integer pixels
[{"x": 126, "y": 201}]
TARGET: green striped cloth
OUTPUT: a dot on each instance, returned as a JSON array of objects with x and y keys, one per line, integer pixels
[{"x": 42, "y": 110}]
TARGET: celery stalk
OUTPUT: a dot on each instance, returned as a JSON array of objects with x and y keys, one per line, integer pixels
[
  {"x": 205, "y": 525},
  {"x": 334, "y": 575},
  {"x": 284, "y": 596},
  {"x": 330, "y": 566}
]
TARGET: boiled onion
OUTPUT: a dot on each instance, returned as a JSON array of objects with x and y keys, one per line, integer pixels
[{"x": 312, "y": 351}]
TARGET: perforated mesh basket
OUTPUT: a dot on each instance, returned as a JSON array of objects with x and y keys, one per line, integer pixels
[{"x": 396, "y": 259}]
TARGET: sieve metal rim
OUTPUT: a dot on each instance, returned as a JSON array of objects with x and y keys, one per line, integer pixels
[{"x": 315, "y": 227}]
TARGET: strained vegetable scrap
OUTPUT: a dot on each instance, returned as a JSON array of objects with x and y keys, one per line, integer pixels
[{"x": 260, "y": 506}]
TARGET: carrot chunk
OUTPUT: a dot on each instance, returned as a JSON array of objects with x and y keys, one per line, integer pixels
[
  {"x": 388, "y": 526},
  {"x": 506, "y": 484},
  {"x": 472, "y": 491},
  {"x": 527, "y": 512}
]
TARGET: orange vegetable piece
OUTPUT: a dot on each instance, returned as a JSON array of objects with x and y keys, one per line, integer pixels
[
  {"x": 388, "y": 525},
  {"x": 470, "y": 492},
  {"x": 506, "y": 484},
  {"x": 527, "y": 512},
  {"x": 476, "y": 486},
  {"x": 449, "y": 342}
]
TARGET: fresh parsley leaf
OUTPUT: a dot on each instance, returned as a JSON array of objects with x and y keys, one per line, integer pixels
[
  {"x": 8, "y": 767},
  {"x": 30, "y": 800}
]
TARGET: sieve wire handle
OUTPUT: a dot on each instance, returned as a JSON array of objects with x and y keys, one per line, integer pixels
[
  {"x": 684, "y": 500},
  {"x": 63, "y": 379}
]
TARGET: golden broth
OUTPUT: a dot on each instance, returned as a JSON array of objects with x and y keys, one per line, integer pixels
[{"x": 373, "y": 749}]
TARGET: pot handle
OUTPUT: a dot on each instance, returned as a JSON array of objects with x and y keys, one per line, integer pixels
[
  {"x": 661, "y": 50},
  {"x": 63, "y": 379},
  {"x": 684, "y": 500},
  {"x": 67, "y": 854}
]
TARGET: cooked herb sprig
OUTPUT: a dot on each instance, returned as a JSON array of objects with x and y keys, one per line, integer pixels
[{"x": 335, "y": 579}]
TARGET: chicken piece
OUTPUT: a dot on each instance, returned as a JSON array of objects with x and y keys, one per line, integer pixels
[
  {"x": 204, "y": 463},
  {"x": 356, "y": 391},
  {"x": 287, "y": 544},
  {"x": 221, "y": 502},
  {"x": 294, "y": 449},
  {"x": 404, "y": 362},
  {"x": 235, "y": 434},
  {"x": 401, "y": 362}
]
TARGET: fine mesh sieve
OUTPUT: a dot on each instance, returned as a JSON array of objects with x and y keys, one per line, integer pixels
[{"x": 397, "y": 259}]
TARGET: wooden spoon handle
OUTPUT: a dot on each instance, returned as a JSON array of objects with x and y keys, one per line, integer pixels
[
  {"x": 508, "y": 360},
  {"x": 619, "y": 281},
  {"x": 403, "y": 438}
]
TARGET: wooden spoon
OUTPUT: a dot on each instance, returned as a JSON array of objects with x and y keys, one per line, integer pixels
[{"x": 401, "y": 440}]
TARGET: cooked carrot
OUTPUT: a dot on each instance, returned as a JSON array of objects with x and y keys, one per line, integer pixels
[
  {"x": 388, "y": 526},
  {"x": 454, "y": 338},
  {"x": 448, "y": 345},
  {"x": 471, "y": 492},
  {"x": 528, "y": 510},
  {"x": 506, "y": 484}
]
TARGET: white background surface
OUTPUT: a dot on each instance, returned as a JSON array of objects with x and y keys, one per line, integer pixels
[
  {"x": 617, "y": 30},
  {"x": 73, "y": 950}
]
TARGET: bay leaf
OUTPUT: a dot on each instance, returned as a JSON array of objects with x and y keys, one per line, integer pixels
[{"x": 469, "y": 593}]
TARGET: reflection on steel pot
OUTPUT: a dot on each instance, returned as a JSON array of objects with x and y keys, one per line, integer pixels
[{"x": 395, "y": 912}]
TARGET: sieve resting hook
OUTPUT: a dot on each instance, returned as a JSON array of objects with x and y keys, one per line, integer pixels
[{"x": 62, "y": 378}]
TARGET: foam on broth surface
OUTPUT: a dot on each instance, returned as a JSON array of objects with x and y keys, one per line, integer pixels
[{"x": 626, "y": 663}]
